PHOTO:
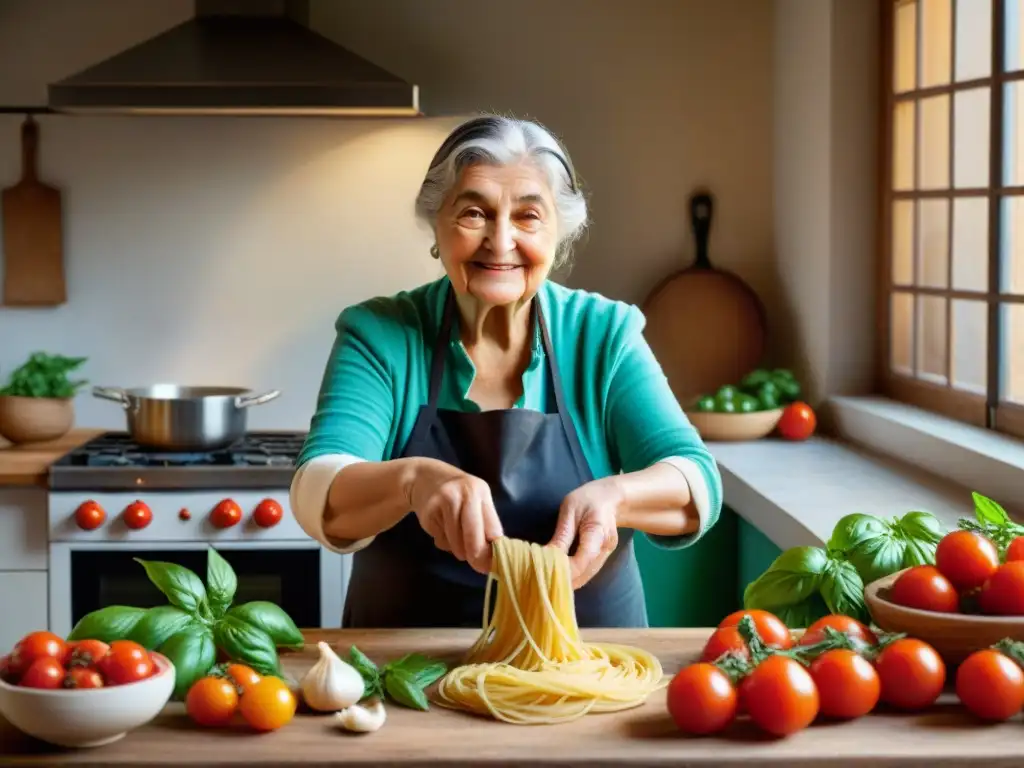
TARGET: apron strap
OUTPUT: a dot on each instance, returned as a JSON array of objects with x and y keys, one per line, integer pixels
[{"x": 440, "y": 350}]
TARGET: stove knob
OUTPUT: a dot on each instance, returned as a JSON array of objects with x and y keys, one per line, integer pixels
[
  {"x": 267, "y": 514},
  {"x": 137, "y": 515},
  {"x": 226, "y": 514},
  {"x": 89, "y": 516}
]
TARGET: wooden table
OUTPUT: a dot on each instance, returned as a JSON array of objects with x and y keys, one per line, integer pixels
[
  {"x": 944, "y": 736},
  {"x": 29, "y": 464}
]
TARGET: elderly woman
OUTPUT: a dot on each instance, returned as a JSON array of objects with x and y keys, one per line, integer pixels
[{"x": 493, "y": 402}]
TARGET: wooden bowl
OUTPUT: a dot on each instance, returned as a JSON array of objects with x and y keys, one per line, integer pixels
[
  {"x": 954, "y": 635},
  {"x": 734, "y": 427},
  {"x": 35, "y": 419}
]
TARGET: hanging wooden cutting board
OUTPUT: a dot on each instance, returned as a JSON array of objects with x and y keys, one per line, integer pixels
[
  {"x": 705, "y": 326},
  {"x": 33, "y": 236}
]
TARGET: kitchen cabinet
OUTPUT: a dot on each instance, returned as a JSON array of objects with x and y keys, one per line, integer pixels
[
  {"x": 23, "y": 563},
  {"x": 756, "y": 553}
]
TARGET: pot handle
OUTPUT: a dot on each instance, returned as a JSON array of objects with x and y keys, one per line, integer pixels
[
  {"x": 245, "y": 401},
  {"x": 112, "y": 393}
]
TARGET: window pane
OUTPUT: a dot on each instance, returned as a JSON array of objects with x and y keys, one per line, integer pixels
[
  {"x": 936, "y": 42},
  {"x": 970, "y": 138},
  {"x": 905, "y": 47},
  {"x": 933, "y": 143},
  {"x": 1014, "y": 24},
  {"x": 931, "y": 338},
  {"x": 973, "y": 39},
  {"x": 901, "y": 329},
  {"x": 903, "y": 242},
  {"x": 1013, "y": 132},
  {"x": 903, "y": 146},
  {"x": 933, "y": 243},
  {"x": 1013, "y": 353},
  {"x": 970, "y": 349},
  {"x": 970, "y": 243},
  {"x": 1012, "y": 256}
]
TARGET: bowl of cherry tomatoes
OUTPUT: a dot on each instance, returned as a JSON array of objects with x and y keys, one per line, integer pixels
[
  {"x": 968, "y": 601},
  {"x": 84, "y": 693}
]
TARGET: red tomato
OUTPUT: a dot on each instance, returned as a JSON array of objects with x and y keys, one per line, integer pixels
[
  {"x": 126, "y": 662},
  {"x": 44, "y": 672},
  {"x": 770, "y": 628},
  {"x": 82, "y": 653},
  {"x": 912, "y": 674},
  {"x": 137, "y": 515},
  {"x": 966, "y": 558},
  {"x": 798, "y": 422},
  {"x": 990, "y": 685},
  {"x": 1003, "y": 593},
  {"x": 267, "y": 513},
  {"x": 722, "y": 641},
  {"x": 226, "y": 514},
  {"x": 37, "y": 645},
  {"x": 6, "y": 672},
  {"x": 701, "y": 699},
  {"x": 925, "y": 588},
  {"x": 83, "y": 677},
  {"x": 848, "y": 685},
  {"x": 89, "y": 516},
  {"x": 1016, "y": 549},
  {"x": 848, "y": 625},
  {"x": 780, "y": 696}
]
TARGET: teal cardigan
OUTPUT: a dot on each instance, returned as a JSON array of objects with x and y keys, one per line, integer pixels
[{"x": 377, "y": 377}]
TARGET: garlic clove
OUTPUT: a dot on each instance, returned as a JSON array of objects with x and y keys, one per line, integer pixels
[
  {"x": 331, "y": 684},
  {"x": 361, "y": 718}
]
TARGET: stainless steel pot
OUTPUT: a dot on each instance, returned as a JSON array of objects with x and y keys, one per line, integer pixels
[{"x": 170, "y": 417}]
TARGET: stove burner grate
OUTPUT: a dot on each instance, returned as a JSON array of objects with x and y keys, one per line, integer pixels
[{"x": 256, "y": 449}]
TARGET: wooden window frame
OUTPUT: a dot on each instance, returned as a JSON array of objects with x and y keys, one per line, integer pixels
[{"x": 980, "y": 410}]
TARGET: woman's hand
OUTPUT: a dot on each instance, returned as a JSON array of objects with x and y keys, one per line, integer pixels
[
  {"x": 457, "y": 511},
  {"x": 592, "y": 512}
]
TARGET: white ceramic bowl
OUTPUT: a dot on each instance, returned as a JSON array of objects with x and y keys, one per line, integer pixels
[{"x": 88, "y": 717}]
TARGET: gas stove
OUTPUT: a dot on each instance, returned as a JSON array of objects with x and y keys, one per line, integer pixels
[{"x": 113, "y": 461}]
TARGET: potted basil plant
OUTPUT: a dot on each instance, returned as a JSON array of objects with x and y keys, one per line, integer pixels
[{"x": 37, "y": 402}]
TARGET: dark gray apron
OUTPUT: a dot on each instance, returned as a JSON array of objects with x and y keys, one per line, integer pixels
[{"x": 531, "y": 461}]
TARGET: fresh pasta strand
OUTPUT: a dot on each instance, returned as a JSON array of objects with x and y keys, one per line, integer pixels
[{"x": 529, "y": 666}]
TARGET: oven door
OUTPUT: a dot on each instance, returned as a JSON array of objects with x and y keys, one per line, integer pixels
[{"x": 301, "y": 578}]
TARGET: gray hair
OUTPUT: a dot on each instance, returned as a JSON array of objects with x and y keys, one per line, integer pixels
[{"x": 498, "y": 140}]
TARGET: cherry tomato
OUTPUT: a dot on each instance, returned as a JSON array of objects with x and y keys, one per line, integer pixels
[
  {"x": 242, "y": 676},
  {"x": 226, "y": 514},
  {"x": 990, "y": 685},
  {"x": 849, "y": 626},
  {"x": 780, "y": 696},
  {"x": 848, "y": 685},
  {"x": 6, "y": 672},
  {"x": 267, "y": 513},
  {"x": 212, "y": 701},
  {"x": 1003, "y": 593},
  {"x": 798, "y": 422},
  {"x": 925, "y": 588},
  {"x": 89, "y": 516},
  {"x": 701, "y": 699},
  {"x": 722, "y": 641},
  {"x": 770, "y": 628},
  {"x": 966, "y": 558},
  {"x": 268, "y": 705},
  {"x": 82, "y": 653},
  {"x": 126, "y": 662},
  {"x": 1016, "y": 549},
  {"x": 137, "y": 515},
  {"x": 912, "y": 674},
  {"x": 83, "y": 677},
  {"x": 44, "y": 672},
  {"x": 37, "y": 645}
]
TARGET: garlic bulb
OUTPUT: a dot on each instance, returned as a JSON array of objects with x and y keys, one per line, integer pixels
[
  {"x": 331, "y": 684},
  {"x": 362, "y": 719}
]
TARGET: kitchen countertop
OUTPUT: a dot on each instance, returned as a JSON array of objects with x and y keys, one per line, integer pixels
[
  {"x": 28, "y": 465},
  {"x": 942, "y": 736}
]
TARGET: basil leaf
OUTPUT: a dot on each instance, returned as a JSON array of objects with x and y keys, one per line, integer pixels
[
  {"x": 362, "y": 662},
  {"x": 221, "y": 583},
  {"x": 987, "y": 510},
  {"x": 158, "y": 624},
  {"x": 115, "y": 622},
  {"x": 420, "y": 669},
  {"x": 794, "y": 576},
  {"x": 193, "y": 654},
  {"x": 842, "y": 589},
  {"x": 921, "y": 527},
  {"x": 919, "y": 553},
  {"x": 801, "y": 615},
  {"x": 273, "y": 621},
  {"x": 181, "y": 586},
  {"x": 247, "y": 644},
  {"x": 403, "y": 689},
  {"x": 878, "y": 557}
]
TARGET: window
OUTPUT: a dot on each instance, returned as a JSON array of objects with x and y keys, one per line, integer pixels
[{"x": 952, "y": 234}]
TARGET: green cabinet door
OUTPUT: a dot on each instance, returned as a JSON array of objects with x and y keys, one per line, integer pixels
[{"x": 756, "y": 553}]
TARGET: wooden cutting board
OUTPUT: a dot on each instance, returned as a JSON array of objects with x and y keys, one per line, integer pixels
[{"x": 33, "y": 256}]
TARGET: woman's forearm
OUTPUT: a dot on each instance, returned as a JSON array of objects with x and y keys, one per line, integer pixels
[
  {"x": 656, "y": 500},
  {"x": 368, "y": 497}
]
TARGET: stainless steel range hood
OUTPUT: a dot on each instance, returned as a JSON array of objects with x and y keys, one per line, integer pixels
[{"x": 246, "y": 57}]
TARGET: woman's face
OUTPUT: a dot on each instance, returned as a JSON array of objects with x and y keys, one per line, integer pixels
[{"x": 497, "y": 233}]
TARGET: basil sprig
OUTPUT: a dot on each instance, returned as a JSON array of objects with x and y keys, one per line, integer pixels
[
  {"x": 403, "y": 680},
  {"x": 198, "y": 622}
]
